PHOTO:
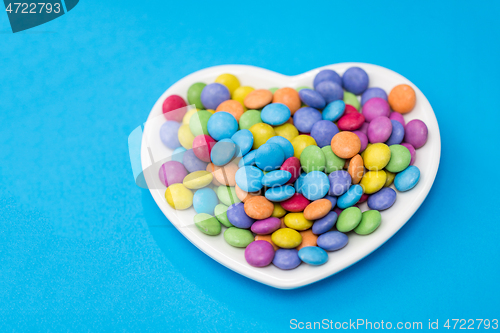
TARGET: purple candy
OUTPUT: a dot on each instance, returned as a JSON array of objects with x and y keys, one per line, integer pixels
[
  {"x": 332, "y": 240},
  {"x": 330, "y": 91},
  {"x": 172, "y": 172},
  {"x": 364, "y": 127},
  {"x": 333, "y": 200},
  {"x": 237, "y": 216},
  {"x": 327, "y": 75},
  {"x": 397, "y": 116},
  {"x": 304, "y": 118},
  {"x": 213, "y": 94},
  {"x": 266, "y": 226},
  {"x": 168, "y": 134},
  {"x": 340, "y": 181},
  {"x": 382, "y": 199},
  {"x": 312, "y": 98},
  {"x": 397, "y": 135},
  {"x": 379, "y": 130},
  {"x": 193, "y": 163},
  {"x": 416, "y": 133},
  {"x": 259, "y": 253},
  {"x": 363, "y": 138},
  {"x": 324, "y": 224},
  {"x": 371, "y": 93},
  {"x": 286, "y": 259},
  {"x": 323, "y": 131},
  {"x": 355, "y": 80},
  {"x": 374, "y": 108},
  {"x": 413, "y": 153}
]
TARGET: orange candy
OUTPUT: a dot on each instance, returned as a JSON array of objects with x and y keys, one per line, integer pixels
[
  {"x": 259, "y": 208},
  {"x": 242, "y": 195},
  {"x": 356, "y": 169},
  {"x": 289, "y": 97},
  {"x": 345, "y": 144},
  {"x": 233, "y": 107},
  {"x": 308, "y": 239},
  {"x": 210, "y": 168},
  {"x": 225, "y": 175},
  {"x": 257, "y": 99},
  {"x": 266, "y": 238},
  {"x": 402, "y": 98},
  {"x": 317, "y": 209}
]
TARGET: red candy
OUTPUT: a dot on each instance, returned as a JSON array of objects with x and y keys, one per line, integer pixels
[
  {"x": 351, "y": 121},
  {"x": 363, "y": 198},
  {"x": 174, "y": 108},
  {"x": 292, "y": 165},
  {"x": 202, "y": 147},
  {"x": 350, "y": 109},
  {"x": 297, "y": 203}
]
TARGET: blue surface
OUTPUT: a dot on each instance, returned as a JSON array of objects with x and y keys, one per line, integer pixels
[{"x": 82, "y": 248}]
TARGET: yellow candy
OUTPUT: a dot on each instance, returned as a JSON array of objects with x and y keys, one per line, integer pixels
[
  {"x": 373, "y": 181},
  {"x": 211, "y": 111},
  {"x": 286, "y": 238},
  {"x": 179, "y": 197},
  {"x": 261, "y": 133},
  {"x": 288, "y": 131},
  {"x": 297, "y": 221},
  {"x": 390, "y": 178},
  {"x": 240, "y": 93},
  {"x": 376, "y": 156},
  {"x": 278, "y": 211},
  {"x": 187, "y": 116},
  {"x": 229, "y": 80},
  {"x": 198, "y": 179},
  {"x": 185, "y": 137},
  {"x": 300, "y": 143}
]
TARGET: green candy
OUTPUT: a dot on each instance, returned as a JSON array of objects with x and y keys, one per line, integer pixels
[
  {"x": 207, "y": 224},
  {"x": 349, "y": 219},
  {"x": 333, "y": 162},
  {"x": 249, "y": 118},
  {"x": 198, "y": 122},
  {"x": 238, "y": 237},
  {"x": 273, "y": 90},
  {"x": 400, "y": 158},
  {"x": 370, "y": 221},
  {"x": 303, "y": 87},
  {"x": 227, "y": 195},
  {"x": 312, "y": 158},
  {"x": 220, "y": 213},
  {"x": 351, "y": 99},
  {"x": 194, "y": 94}
]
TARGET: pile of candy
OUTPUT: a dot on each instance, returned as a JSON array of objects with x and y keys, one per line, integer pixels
[{"x": 285, "y": 169}]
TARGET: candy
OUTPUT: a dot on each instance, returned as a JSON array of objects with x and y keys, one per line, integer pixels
[
  {"x": 330, "y": 91},
  {"x": 292, "y": 165},
  {"x": 174, "y": 108},
  {"x": 355, "y": 80},
  {"x": 332, "y": 241},
  {"x": 370, "y": 221},
  {"x": 324, "y": 224},
  {"x": 315, "y": 185},
  {"x": 373, "y": 181},
  {"x": 225, "y": 174},
  {"x": 397, "y": 135},
  {"x": 194, "y": 94},
  {"x": 202, "y": 147},
  {"x": 349, "y": 219},
  {"x": 185, "y": 137},
  {"x": 345, "y": 144},
  {"x": 383, "y": 199},
  {"x": 333, "y": 162},
  {"x": 259, "y": 253},
  {"x": 169, "y": 134},
  {"x": 356, "y": 169},
  {"x": 286, "y": 259},
  {"x": 198, "y": 122},
  {"x": 213, "y": 94},
  {"x": 364, "y": 128},
  {"x": 197, "y": 179},
  {"x": 244, "y": 140},
  {"x": 289, "y": 97},
  {"x": 305, "y": 118},
  {"x": 312, "y": 98},
  {"x": 296, "y": 203},
  {"x": 323, "y": 131},
  {"x": 407, "y": 179},
  {"x": 363, "y": 198},
  {"x": 363, "y": 139},
  {"x": 317, "y": 209},
  {"x": 379, "y": 130},
  {"x": 249, "y": 178},
  {"x": 308, "y": 239},
  {"x": 238, "y": 237},
  {"x": 285, "y": 144},
  {"x": 207, "y": 224},
  {"x": 372, "y": 93},
  {"x": 280, "y": 193},
  {"x": 413, "y": 153},
  {"x": 398, "y": 117},
  {"x": 178, "y": 154},
  {"x": 269, "y": 157},
  {"x": 238, "y": 217},
  {"x": 340, "y": 181},
  {"x": 268, "y": 239},
  {"x": 223, "y": 152},
  {"x": 333, "y": 200},
  {"x": 266, "y": 226},
  {"x": 376, "y": 156},
  {"x": 278, "y": 211},
  {"x": 249, "y": 118},
  {"x": 402, "y": 98},
  {"x": 227, "y": 195},
  {"x": 300, "y": 142},
  {"x": 350, "y": 109},
  {"x": 179, "y": 197},
  {"x": 244, "y": 196},
  {"x": 287, "y": 131},
  {"x": 257, "y": 99},
  {"x": 390, "y": 178},
  {"x": 286, "y": 238},
  {"x": 205, "y": 200},
  {"x": 277, "y": 177},
  {"x": 258, "y": 208},
  {"x": 313, "y": 255},
  {"x": 241, "y": 93},
  {"x": 416, "y": 133},
  {"x": 400, "y": 158},
  {"x": 188, "y": 115},
  {"x": 233, "y": 107},
  {"x": 229, "y": 80},
  {"x": 172, "y": 172},
  {"x": 351, "y": 197},
  {"x": 261, "y": 133},
  {"x": 222, "y": 125},
  {"x": 327, "y": 75},
  {"x": 193, "y": 163},
  {"x": 351, "y": 121},
  {"x": 374, "y": 108},
  {"x": 351, "y": 99},
  {"x": 248, "y": 159},
  {"x": 297, "y": 221},
  {"x": 275, "y": 114},
  {"x": 220, "y": 212},
  {"x": 312, "y": 158}
]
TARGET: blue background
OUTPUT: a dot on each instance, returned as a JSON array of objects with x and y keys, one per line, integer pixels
[{"x": 83, "y": 249}]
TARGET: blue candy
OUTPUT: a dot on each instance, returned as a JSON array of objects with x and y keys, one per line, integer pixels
[
  {"x": 178, "y": 154},
  {"x": 382, "y": 199},
  {"x": 372, "y": 93},
  {"x": 286, "y": 258},
  {"x": 332, "y": 240},
  {"x": 324, "y": 224},
  {"x": 223, "y": 152},
  {"x": 351, "y": 197},
  {"x": 327, "y": 75},
  {"x": 313, "y": 255},
  {"x": 323, "y": 131},
  {"x": 333, "y": 200},
  {"x": 407, "y": 179},
  {"x": 222, "y": 125},
  {"x": 275, "y": 114},
  {"x": 193, "y": 163},
  {"x": 315, "y": 185},
  {"x": 168, "y": 134},
  {"x": 304, "y": 119},
  {"x": 340, "y": 181},
  {"x": 249, "y": 178},
  {"x": 244, "y": 139},
  {"x": 284, "y": 144},
  {"x": 213, "y": 94},
  {"x": 248, "y": 159},
  {"x": 237, "y": 216},
  {"x": 397, "y": 135},
  {"x": 312, "y": 98},
  {"x": 330, "y": 91},
  {"x": 205, "y": 200},
  {"x": 299, "y": 182},
  {"x": 280, "y": 193},
  {"x": 269, "y": 157},
  {"x": 277, "y": 177},
  {"x": 334, "y": 110},
  {"x": 355, "y": 80}
]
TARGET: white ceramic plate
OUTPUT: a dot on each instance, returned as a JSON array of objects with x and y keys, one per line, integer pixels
[{"x": 359, "y": 246}]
